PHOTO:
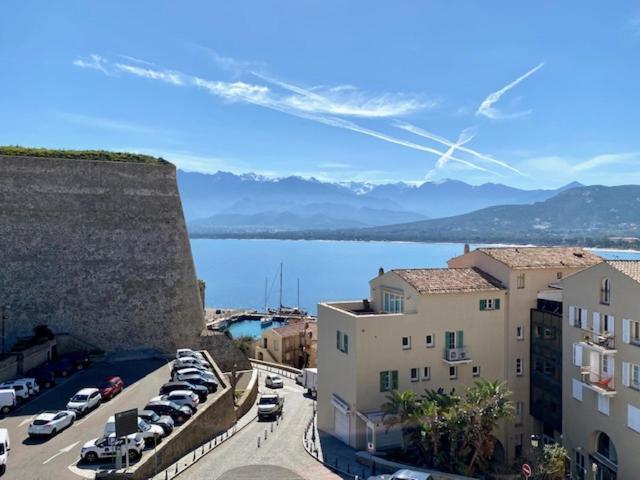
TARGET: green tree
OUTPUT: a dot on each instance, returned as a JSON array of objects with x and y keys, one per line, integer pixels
[{"x": 402, "y": 409}]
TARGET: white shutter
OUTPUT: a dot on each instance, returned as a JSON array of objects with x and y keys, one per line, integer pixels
[
  {"x": 626, "y": 331},
  {"x": 633, "y": 418},
  {"x": 584, "y": 315},
  {"x": 626, "y": 366},
  {"x": 612, "y": 324},
  {"x": 596, "y": 322},
  {"x": 572, "y": 315},
  {"x": 603, "y": 404},
  {"x": 577, "y": 389},
  {"x": 577, "y": 355}
]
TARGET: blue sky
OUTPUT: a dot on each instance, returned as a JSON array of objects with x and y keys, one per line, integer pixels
[{"x": 531, "y": 94}]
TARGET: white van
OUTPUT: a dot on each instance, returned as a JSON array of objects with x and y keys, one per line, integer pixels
[
  {"x": 21, "y": 389},
  {"x": 5, "y": 446},
  {"x": 7, "y": 400},
  {"x": 147, "y": 432}
]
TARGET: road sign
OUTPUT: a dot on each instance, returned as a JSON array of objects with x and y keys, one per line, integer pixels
[
  {"x": 526, "y": 470},
  {"x": 126, "y": 422}
]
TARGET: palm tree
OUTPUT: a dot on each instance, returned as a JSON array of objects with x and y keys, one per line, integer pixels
[{"x": 402, "y": 408}]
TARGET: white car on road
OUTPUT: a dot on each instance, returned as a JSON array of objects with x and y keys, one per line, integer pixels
[
  {"x": 187, "y": 352},
  {"x": 180, "y": 397},
  {"x": 274, "y": 381},
  {"x": 186, "y": 362},
  {"x": 85, "y": 400},
  {"x": 5, "y": 446},
  {"x": 50, "y": 422},
  {"x": 108, "y": 447},
  {"x": 404, "y": 475},
  {"x": 21, "y": 389}
]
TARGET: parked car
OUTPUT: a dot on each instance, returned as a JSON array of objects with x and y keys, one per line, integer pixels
[
  {"x": 176, "y": 412},
  {"x": 211, "y": 385},
  {"x": 30, "y": 383},
  {"x": 7, "y": 400},
  {"x": 22, "y": 390},
  {"x": 62, "y": 367},
  {"x": 187, "y": 352},
  {"x": 180, "y": 397},
  {"x": 273, "y": 381},
  {"x": 200, "y": 390},
  {"x": 195, "y": 371},
  {"x": 107, "y": 447},
  {"x": 51, "y": 422},
  {"x": 5, "y": 447},
  {"x": 151, "y": 434},
  {"x": 163, "y": 421},
  {"x": 85, "y": 400},
  {"x": 270, "y": 405},
  {"x": 80, "y": 359},
  {"x": 110, "y": 387},
  {"x": 308, "y": 378},
  {"x": 185, "y": 362},
  {"x": 180, "y": 366},
  {"x": 44, "y": 376},
  {"x": 404, "y": 475}
]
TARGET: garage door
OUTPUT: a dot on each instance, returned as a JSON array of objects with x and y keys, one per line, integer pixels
[{"x": 341, "y": 425}]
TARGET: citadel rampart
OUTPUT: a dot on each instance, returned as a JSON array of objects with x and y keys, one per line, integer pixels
[{"x": 98, "y": 249}]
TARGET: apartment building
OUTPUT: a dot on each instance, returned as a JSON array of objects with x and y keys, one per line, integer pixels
[
  {"x": 420, "y": 329},
  {"x": 294, "y": 344},
  {"x": 529, "y": 274},
  {"x": 601, "y": 371}
]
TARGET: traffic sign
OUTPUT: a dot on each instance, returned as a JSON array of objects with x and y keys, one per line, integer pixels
[
  {"x": 126, "y": 422},
  {"x": 526, "y": 470}
]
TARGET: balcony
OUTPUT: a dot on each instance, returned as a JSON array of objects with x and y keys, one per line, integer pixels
[
  {"x": 457, "y": 356},
  {"x": 602, "y": 342},
  {"x": 602, "y": 383}
]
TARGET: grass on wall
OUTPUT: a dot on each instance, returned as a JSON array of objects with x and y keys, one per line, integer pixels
[{"x": 92, "y": 155}]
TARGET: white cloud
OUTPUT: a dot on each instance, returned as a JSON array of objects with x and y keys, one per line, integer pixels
[
  {"x": 487, "y": 109},
  {"x": 332, "y": 166},
  {"x": 632, "y": 158},
  {"x": 168, "y": 76},
  {"x": 95, "y": 62}
]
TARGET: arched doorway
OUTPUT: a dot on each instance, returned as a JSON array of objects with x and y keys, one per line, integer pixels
[{"x": 605, "y": 458}]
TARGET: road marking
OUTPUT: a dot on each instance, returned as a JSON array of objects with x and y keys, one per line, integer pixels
[
  {"x": 62, "y": 450},
  {"x": 27, "y": 420},
  {"x": 88, "y": 473}
]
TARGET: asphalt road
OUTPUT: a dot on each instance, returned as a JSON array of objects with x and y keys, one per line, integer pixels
[
  {"x": 56, "y": 458},
  {"x": 280, "y": 457}
]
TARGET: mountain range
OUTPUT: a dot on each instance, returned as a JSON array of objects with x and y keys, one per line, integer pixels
[{"x": 226, "y": 203}]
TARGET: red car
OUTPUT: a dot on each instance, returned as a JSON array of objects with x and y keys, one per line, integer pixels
[{"x": 111, "y": 387}]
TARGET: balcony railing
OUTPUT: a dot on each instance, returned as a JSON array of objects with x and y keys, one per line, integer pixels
[
  {"x": 457, "y": 355},
  {"x": 601, "y": 382},
  {"x": 604, "y": 341}
]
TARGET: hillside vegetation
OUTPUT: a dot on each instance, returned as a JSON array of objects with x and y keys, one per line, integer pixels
[{"x": 90, "y": 155}]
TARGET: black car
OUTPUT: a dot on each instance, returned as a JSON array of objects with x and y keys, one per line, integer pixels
[
  {"x": 175, "y": 411},
  {"x": 211, "y": 385},
  {"x": 163, "y": 421},
  {"x": 200, "y": 390},
  {"x": 45, "y": 377},
  {"x": 79, "y": 359}
]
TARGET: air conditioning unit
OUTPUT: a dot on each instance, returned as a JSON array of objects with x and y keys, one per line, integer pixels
[
  {"x": 463, "y": 355},
  {"x": 453, "y": 355}
]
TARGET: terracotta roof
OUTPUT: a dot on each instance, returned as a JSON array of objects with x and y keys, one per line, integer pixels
[
  {"x": 297, "y": 328},
  {"x": 449, "y": 280},
  {"x": 543, "y": 257},
  {"x": 631, "y": 268}
]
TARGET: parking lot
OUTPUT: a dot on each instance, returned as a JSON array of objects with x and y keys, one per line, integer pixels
[{"x": 58, "y": 457}]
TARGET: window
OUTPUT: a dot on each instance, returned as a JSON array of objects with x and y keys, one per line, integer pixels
[
  {"x": 453, "y": 373},
  {"x": 579, "y": 472},
  {"x": 454, "y": 339},
  {"x": 519, "y": 366},
  {"x": 426, "y": 374},
  {"x": 607, "y": 324},
  {"x": 475, "y": 371},
  {"x": 549, "y": 368},
  {"x": 605, "y": 291},
  {"x": 342, "y": 342},
  {"x": 415, "y": 374},
  {"x": 406, "y": 343},
  {"x": 518, "y": 415},
  {"x": 490, "y": 304},
  {"x": 634, "y": 331},
  {"x": 393, "y": 303},
  {"x": 635, "y": 376},
  {"x": 520, "y": 281},
  {"x": 264, "y": 342},
  {"x": 388, "y": 380},
  {"x": 520, "y": 333},
  {"x": 559, "y": 275},
  {"x": 431, "y": 341}
]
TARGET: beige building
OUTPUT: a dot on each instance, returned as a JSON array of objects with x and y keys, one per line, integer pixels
[
  {"x": 527, "y": 273},
  {"x": 437, "y": 328},
  {"x": 295, "y": 344},
  {"x": 420, "y": 329},
  {"x": 601, "y": 371}
]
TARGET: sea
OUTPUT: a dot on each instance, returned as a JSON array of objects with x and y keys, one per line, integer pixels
[{"x": 236, "y": 271}]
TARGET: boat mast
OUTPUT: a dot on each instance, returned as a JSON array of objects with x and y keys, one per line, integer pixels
[
  {"x": 266, "y": 282},
  {"x": 281, "y": 286},
  {"x": 298, "y": 294}
]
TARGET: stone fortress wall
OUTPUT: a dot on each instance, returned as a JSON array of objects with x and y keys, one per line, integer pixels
[{"x": 98, "y": 249}]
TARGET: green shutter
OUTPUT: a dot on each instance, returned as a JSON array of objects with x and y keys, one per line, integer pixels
[
  {"x": 394, "y": 379},
  {"x": 346, "y": 343},
  {"x": 383, "y": 381},
  {"x": 496, "y": 302},
  {"x": 338, "y": 346},
  {"x": 483, "y": 304},
  {"x": 460, "y": 339}
]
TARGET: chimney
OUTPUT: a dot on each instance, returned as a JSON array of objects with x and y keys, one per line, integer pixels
[
  {"x": 466, "y": 248},
  {"x": 380, "y": 271}
]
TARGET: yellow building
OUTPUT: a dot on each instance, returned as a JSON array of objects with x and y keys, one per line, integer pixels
[
  {"x": 294, "y": 344},
  {"x": 601, "y": 371}
]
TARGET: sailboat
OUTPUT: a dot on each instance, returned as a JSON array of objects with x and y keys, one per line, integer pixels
[{"x": 282, "y": 310}]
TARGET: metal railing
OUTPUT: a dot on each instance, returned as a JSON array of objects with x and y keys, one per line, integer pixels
[
  {"x": 458, "y": 354},
  {"x": 604, "y": 381}
]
